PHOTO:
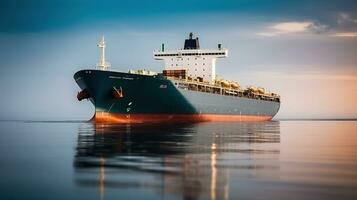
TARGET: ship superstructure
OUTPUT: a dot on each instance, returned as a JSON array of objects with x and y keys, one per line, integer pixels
[
  {"x": 187, "y": 90},
  {"x": 195, "y": 62}
]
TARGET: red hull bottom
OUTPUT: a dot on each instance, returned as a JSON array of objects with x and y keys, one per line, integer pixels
[{"x": 102, "y": 117}]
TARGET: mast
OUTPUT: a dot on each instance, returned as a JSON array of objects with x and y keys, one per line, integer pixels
[{"x": 102, "y": 65}]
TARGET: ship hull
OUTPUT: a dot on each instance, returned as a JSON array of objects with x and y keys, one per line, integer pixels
[{"x": 158, "y": 99}]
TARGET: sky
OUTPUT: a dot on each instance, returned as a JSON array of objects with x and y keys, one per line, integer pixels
[{"x": 304, "y": 50}]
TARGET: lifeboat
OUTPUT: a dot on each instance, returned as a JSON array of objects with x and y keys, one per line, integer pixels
[
  {"x": 83, "y": 95},
  {"x": 261, "y": 90},
  {"x": 252, "y": 89},
  {"x": 224, "y": 83},
  {"x": 235, "y": 85}
]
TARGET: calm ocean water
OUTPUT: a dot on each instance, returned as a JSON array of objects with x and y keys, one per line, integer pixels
[{"x": 272, "y": 160}]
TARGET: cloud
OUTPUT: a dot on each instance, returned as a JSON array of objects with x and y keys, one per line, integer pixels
[
  {"x": 318, "y": 28},
  {"x": 346, "y": 26},
  {"x": 285, "y": 28},
  {"x": 345, "y": 18},
  {"x": 267, "y": 34},
  {"x": 345, "y": 34}
]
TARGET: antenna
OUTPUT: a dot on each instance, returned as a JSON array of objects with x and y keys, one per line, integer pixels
[{"x": 102, "y": 65}]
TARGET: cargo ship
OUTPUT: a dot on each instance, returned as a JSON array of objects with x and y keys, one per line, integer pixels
[{"x": 187, "y": 90}]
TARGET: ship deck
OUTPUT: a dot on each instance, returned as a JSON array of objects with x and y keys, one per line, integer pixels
[{"x": 216, "y": 89}]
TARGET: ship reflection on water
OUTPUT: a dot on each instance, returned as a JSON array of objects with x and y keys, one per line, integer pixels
[{"x": 182, "y": 161}]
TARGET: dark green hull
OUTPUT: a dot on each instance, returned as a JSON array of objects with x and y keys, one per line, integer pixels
[{"x": 157, "y": 95}]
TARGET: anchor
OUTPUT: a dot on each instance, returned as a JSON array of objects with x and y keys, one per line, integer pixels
[
  {"x": 83, "y": 95},
  {"x": 117, "y": 93}
]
